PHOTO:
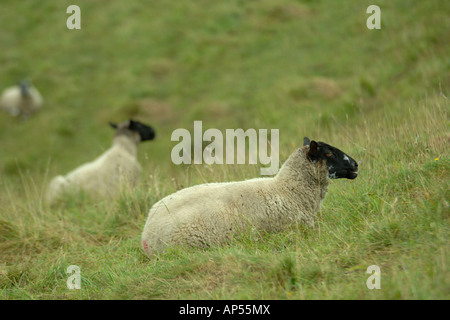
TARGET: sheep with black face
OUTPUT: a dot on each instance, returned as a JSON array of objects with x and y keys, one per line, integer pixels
[
  {"x": 23, "y": 99},
  {"x": 209, "y": 214},
  {"x": 116, "y": 167}
]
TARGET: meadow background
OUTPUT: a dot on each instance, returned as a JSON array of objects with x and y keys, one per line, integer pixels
[{"x": 307, "y": 68}]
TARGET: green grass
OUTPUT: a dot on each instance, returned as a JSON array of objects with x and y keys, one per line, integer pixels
[{"x": 307, "y": 68}]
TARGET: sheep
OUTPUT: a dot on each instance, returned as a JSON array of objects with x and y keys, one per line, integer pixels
[
  {"x": 210, "y": 214},
  {"x": 105, "y": 176},
  {"x": 23, "y": 99}
]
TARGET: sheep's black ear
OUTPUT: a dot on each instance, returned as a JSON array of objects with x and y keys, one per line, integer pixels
[
  {"x": 113, "y": 125},
  {"x": 313, "y": 150},
  {"x": 306, "y": 141}
]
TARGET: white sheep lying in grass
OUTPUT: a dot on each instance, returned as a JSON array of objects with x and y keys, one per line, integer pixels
[
  {"x": 23, "y": 99},
  {"x": 116, "y": 167},
  {"x": 209, "y": 214}
]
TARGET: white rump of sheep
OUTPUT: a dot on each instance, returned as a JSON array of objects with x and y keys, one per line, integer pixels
[
  {"x": 209, "y": 214},
  {"x": 23, "y": 99},
  {"x": 106, "y": 175}
]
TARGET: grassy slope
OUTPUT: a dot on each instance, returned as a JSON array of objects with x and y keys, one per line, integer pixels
[{"x": 307, "y": 68}]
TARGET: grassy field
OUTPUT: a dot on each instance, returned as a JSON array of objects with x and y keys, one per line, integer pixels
[{"x": 307, "y": 68}]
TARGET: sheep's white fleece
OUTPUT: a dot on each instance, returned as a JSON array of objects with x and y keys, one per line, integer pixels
[
  {"x": 208, "y": 214},
  {"x": 104, "y": 176},
  {"x": 14, "y": 103}
]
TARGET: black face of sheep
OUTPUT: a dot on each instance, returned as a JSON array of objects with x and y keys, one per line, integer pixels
[
  {"x": 24, "y": 89},
  {"x": 145, "y": 132},
  {"x": 339, "y": 164}
]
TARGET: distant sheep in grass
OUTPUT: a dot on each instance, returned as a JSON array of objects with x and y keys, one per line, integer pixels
[
  {"x": 108, "y": 173},
  {"x": 23, "y": 99},
  {"x": 209, "y": 214}
]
